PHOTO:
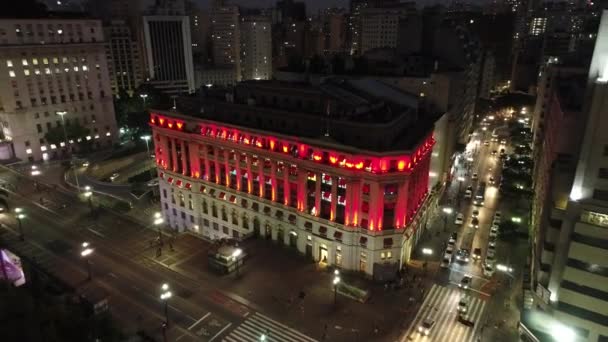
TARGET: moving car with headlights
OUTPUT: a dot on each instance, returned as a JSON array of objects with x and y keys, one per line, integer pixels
[
  {"x": 446, "y": 260},
  {"x": 475, "y": 213},
  {"x": 465, "y": 282},
  {"x": 474, "y": 223},
  {"x": 426, "y": 326},
  {"x": 476, "y": 254},
  {"x": 459, "y": 219},
  {"x": 474, "y": 176},
  {"x": 463, "y": 304},
  {"x": 462, "y": 255}
]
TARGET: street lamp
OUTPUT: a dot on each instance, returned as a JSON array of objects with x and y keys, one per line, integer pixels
[
  {"x": 144, "y": 97},
  {"x": 66, "y": 142},
  {"x": 89, "y": 195},
  {"x": 164, "y": 296},
  {"x": 235, "y": 256},
  {"x": 336, "y": 281},
  {"x": 85, "y": 253},
  {"x": 158, "y": 221},
  {"x": 447, "y": 211},
  {"x": 146, "y": 138},
  {"x": 427, "y": 252},
  {"x": 20, "y": 216}
]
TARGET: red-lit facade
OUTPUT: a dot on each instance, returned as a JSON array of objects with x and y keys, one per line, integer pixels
[{"x": 311, "y": 188}]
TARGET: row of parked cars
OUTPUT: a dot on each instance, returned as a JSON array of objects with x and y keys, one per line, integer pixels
[{"x": 490, "y": 261}]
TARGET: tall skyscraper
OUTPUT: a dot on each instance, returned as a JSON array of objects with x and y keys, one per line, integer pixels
[
  {"x": 256, "y": 48},
  {"x": 380, "y": 25},
  {"x": 168, "y": 53},
  {"x": 52, "y": 66},
  {"x": 124, "y": 59},
  {"x": 225, "y": 41},
  {"x": 570, "y": 258}
]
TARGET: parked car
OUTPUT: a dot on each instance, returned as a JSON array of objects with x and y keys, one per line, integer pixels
[
  {"x": 468, "y": 194},
  {"x": 490, "y": 259},
  {"x": 446, "y": 260},
  {"x": 474, "y": 176},
  {"x": 463, "y": 304},
  {"x": 453, "y": 238},
  {"x": 498, "y": 215},
  {"x": 488, "y": 270}
]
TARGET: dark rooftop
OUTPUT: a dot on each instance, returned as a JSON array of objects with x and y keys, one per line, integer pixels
[{"x": 363, "y": 114}]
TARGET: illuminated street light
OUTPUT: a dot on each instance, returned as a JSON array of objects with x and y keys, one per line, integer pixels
[
  {"x": 144, "y": 97},
  {"x": 66, "y": 141},
  {"x": 164, "y": 296},
  {"x": 20, "y": 216},
  {"x": 235, "y": 256},
  {"x": 515, "y": 219},
  {"x": 336, "y": 281},
  {"x": 427, "y": 252},
  {"x": 561, "y": 332},
  {"x": 85, "y": 253},
  {"x": 158, "y": 221},
  {"x": 504, "y": 268},
  {"x": 146, "y": 138},
  {"x": 88, "y": 194}
]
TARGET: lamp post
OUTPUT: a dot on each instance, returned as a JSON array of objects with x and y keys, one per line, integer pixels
[
  {"x": 66, "y": 142},
  {"x": 146, "y": 138},
  {"x": 164, "y": 296},
  {"x": 508, "y": 270},
  {"x": 336, "y": 281},
  {"x": 447, "y": 211},
  {"x": 235, "y": 255},
  {"x": 144, "y": 97},
  {"x": 426, "y": 252},
  {"x": 85, "y": 253},
  {"x": 89, "y": 195},
  {"x": 20, "y": 216},
  {"x": 158, "y": 221}
]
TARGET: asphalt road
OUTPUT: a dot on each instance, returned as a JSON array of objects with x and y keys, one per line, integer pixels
[{"x": 134, "y": 281}]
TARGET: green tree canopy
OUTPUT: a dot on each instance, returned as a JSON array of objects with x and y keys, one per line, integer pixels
[{"x": 74, "y": 132}]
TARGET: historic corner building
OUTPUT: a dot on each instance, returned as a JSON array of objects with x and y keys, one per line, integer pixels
[{"x": 331, "y": 171}]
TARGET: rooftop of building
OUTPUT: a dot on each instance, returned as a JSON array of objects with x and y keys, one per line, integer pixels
[{"x": 363, "y": 114}]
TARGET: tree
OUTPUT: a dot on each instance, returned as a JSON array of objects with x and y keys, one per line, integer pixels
[{"x": 74, "y": 132}]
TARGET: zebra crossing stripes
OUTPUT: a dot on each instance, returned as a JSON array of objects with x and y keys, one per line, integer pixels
[
  {"x": 257, "y": 325},
  {"x": 441, "y": 304}
]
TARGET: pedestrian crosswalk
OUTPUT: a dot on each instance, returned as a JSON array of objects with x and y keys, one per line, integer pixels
[
  {"x": 257, "y": 325},
  {"x": 441, "y": 306}
]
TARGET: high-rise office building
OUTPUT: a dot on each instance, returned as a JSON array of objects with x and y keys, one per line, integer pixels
[
  {"x": 380, "y": 25},
  {"x": 168, "y": 53},
  {"x": 570, "y": 268},
  {"x": 256, "y": 48},
  {"x": 124, "y": 60},
  {"x": 51, "y": 66},
  {"x": 225, "y": 35}
]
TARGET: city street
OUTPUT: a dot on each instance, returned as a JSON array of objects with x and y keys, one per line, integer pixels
[{"x": 493, "y": 308}]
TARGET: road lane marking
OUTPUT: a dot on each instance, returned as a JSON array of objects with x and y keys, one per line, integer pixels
[
  {"x": 220, "y": 332},
  {"x": 96, "y": 232},
  {"x": 200, "y": 320}
]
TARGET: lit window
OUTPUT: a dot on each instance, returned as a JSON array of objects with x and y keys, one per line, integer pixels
[
  {"x": 28, "y": 151},
  {"x": 26, "y": 72},
  {"x": 62, "y": 144},
  {"x": 42, "y": 148},
  {"x": 45, "y": 61},
  {"x": 88, "y": 137},
  {"x": 64, "y": 59},
  {"x": 108, "y": 134},
  {"x": 24, "y": 62},
  {"x": 37, "y": 71},
  {"x": 11, "y": 73},
  {"x": 35, "y": 61},
  {"x": 53, "y": 146},
  {"x": 85, "y": 68},
  {"x": 47, "y": 71},
  {"x": 66, "y": 69},
  {"x": 96, "y": 136},
  {"x": 55, "y": 60},
  {"x": 9, "y": 63}
]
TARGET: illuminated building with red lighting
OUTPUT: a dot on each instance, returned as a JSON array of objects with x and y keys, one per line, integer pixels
[{"x": 333, "y": 171}]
